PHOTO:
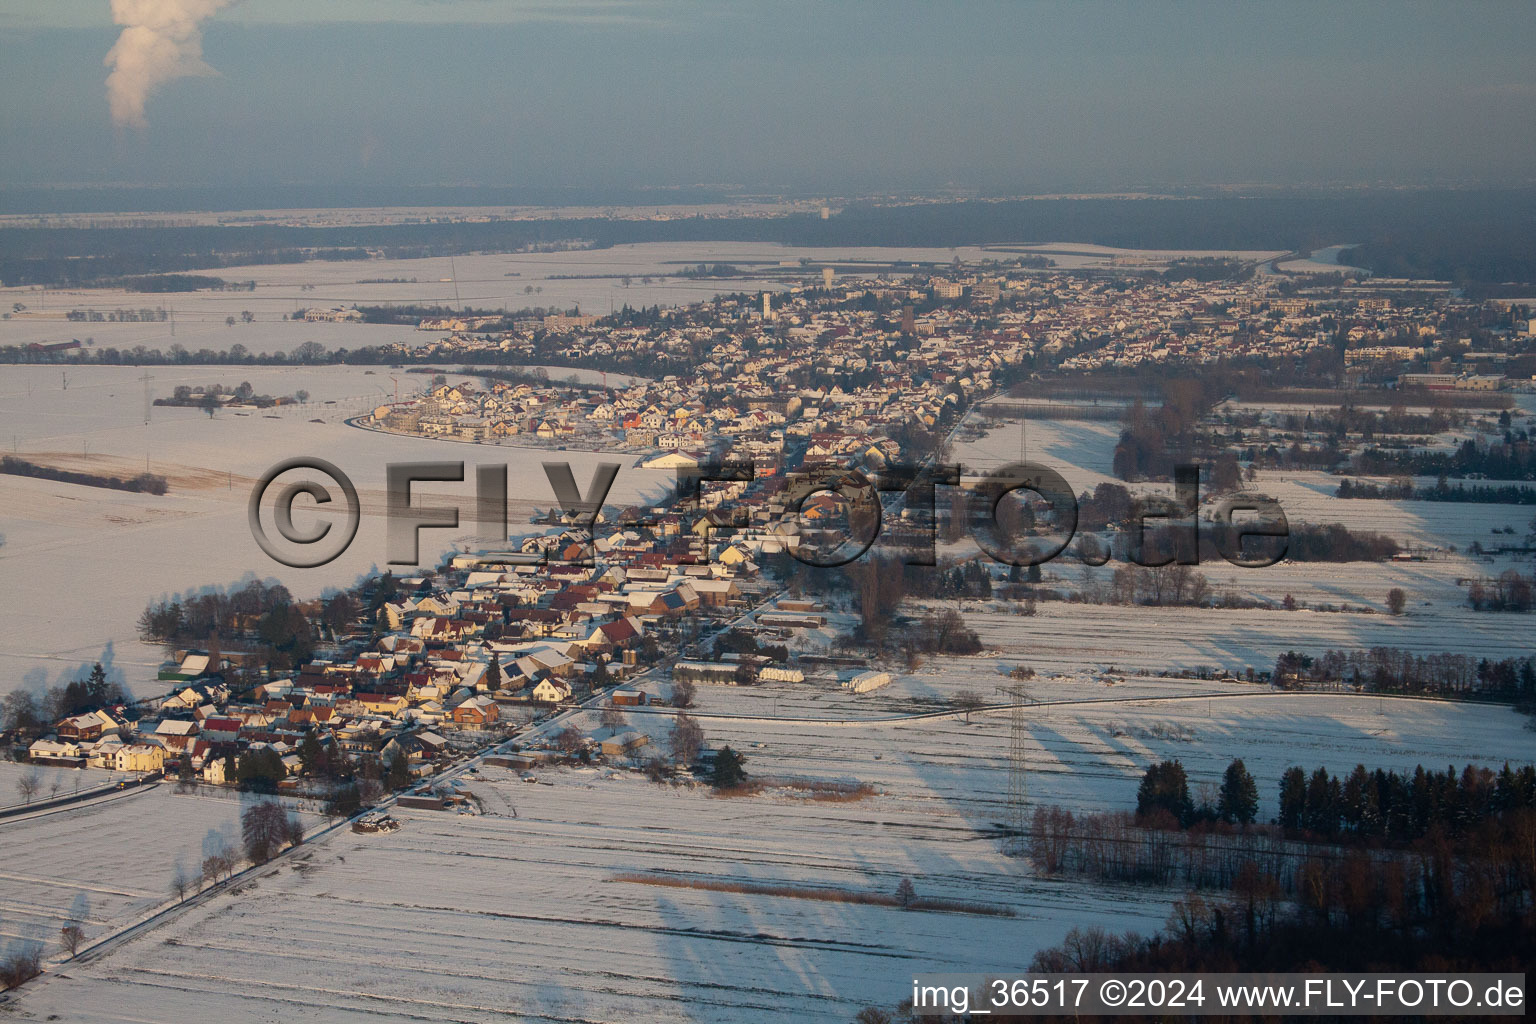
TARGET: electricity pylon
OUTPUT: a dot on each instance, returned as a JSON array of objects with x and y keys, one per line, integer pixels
[{"x": 1016, "y": 814}]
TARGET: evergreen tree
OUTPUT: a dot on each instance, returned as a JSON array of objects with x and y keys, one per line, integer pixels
[
  {"x": 728, "y": 771},
  {"x": 310, "y": 753},
  {"x": 1239, "y": 799},
  {"x": 260, "y": 770},
  {"x": 399, "y": 774},
  {"x": 1321, "y": 815},
  {"x": 1165, "y": 789},
  {"x": 1293, "y": 798}
]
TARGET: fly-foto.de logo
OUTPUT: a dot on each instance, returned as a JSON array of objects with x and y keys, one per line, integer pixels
[{"x": 998, "y": 508}]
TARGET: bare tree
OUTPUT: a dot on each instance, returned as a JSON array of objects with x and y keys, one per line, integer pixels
[
  {"x": 265, "y": 830},
  {"x": 222, "y": 860},
  {"x": 613, "y": 719},
  {"x": 968, "y": 701},
  {"x": 29, "y": 784},
  {"x": 1397, "y": 600},
  {"x": 656, "y": 770},
  {"x": 685, "y": 740},
  {"x": 181, "y": 883},
  {"x": 906, "y": 892},
  {"x": 71, "y": 936},
  {"x": 879, "y": 587},
  {"x": 213, "y": 867},
  {"x": 570, "y": 741},
  {"x": 682, "y": 693},
  {"x": 369, "y": 791},
  {"x": 23, "y": 963}
]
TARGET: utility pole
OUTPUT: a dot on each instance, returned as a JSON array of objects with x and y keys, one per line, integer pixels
[{"x": 148, "y": 404}]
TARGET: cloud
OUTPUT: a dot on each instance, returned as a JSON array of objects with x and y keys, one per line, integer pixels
[{"x": 162, "y": 41}]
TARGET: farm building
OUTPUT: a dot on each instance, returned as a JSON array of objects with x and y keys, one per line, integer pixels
[{"x": 710, "y": 673}]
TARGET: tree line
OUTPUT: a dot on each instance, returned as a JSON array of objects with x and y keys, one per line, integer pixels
[
  {"x": 140, "y": 483},
  {"x": 1387, "y": 806},
  {"x": 1404, "y": 490},
  {"x": 264, "y": 613},
  {"x": 1495, "y": 460},
  {"x": 1396, "y": 670}
]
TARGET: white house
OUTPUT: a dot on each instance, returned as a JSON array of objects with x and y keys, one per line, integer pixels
[{"x": 552, "y": 691}]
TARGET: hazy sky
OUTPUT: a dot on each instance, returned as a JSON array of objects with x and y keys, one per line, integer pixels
[{"x": 828, "y": 96}]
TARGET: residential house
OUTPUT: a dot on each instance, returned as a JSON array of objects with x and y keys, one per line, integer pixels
[
  {"x": 140, "y": 757},
  {"x": 478, "y": 712}
]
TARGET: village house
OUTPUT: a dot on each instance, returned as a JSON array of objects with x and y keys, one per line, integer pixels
[
  {"x": 478, "y": 712},
  {"x": 551, "y": 691},
  {"x": 86, "y": 728},
  {"x": 139, "y": 757}
]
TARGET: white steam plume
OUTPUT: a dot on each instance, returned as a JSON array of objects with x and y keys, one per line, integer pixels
[{"x": 161, "y": 42}]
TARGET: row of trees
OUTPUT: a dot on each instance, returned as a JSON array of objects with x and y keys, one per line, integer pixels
[
  {"x": 1495, "y": 460},
  {"x": 1403, "y": 489},
  {"x": 139, "y": 483},
  {"x": 1395, "y": 670},
  {"x": 1350, "y": 419},
  {"x": 264, "y": 613},
  {"x": 1456, "y": 848},
  {"x": 1354, "y": 914},
  {"x": 1510, "y": 592},
  {"x": 1163, "y": 797},
  {"x": 199, "y": 616},
  {"x": 1400, "y": 808},
  {"x": 1364, "y": 805}
]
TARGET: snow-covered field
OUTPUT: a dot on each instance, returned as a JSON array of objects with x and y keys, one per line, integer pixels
[
  {"x": 106, "y": 553},
  {"x": 109, "y": 861},
  {"x": 1319, "y": 261},
  {"x": 1145, "y": 639},
  {"x": 52, "y": 781},
  {"x": 519, "y": 913}
]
